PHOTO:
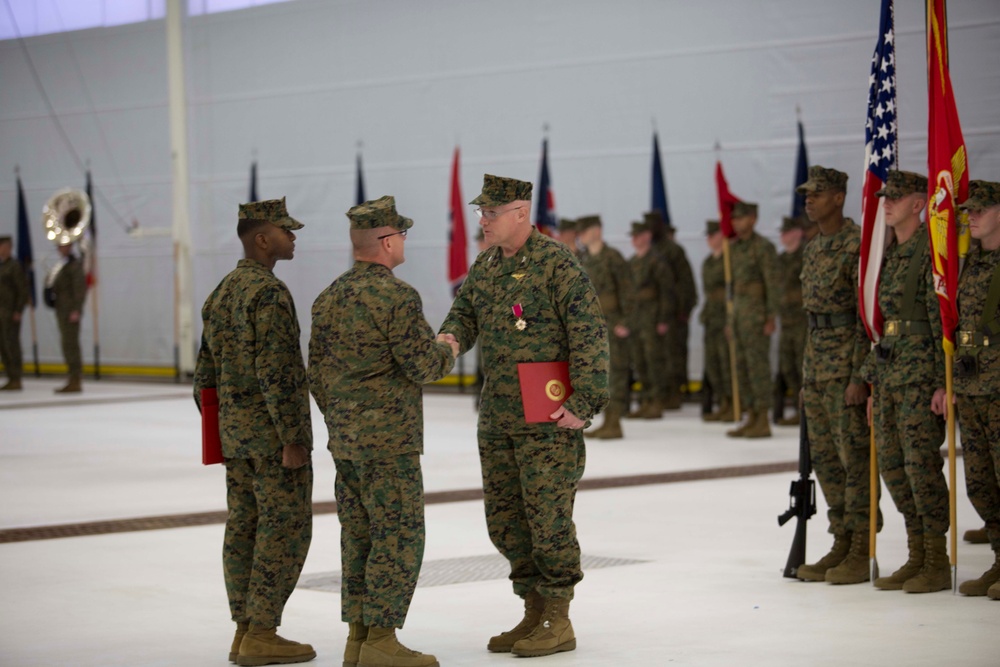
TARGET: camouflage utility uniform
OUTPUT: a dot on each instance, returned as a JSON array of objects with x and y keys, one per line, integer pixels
[
  {"x": 835, "y": 350},
  {"x": 531, "y": 471},
  {"x": 713, "y": 319},
  {"x": 676, "y": 358},
  {"x": 369, "y": 354},
  {"x": 13, "y": 299},
  {"x": 250, "y": 352},
  {"x": 656, "y": 303},
  {"x": 612, "y": 279},
  {"x": 755, "y": 300},
  {"x": 977, "y": 385},
  {"x": 792, "y": 339},
  {"x": 905, "y": 368}
]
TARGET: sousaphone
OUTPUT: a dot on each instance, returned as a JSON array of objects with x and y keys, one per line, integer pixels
[{"x": 66, "y": 215}]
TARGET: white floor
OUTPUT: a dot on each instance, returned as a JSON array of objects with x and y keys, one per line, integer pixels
[{"x": 709, "y": 592}]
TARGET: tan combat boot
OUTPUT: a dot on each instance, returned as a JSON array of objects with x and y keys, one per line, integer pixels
[
  {"x": 652, "y": 410},
  {"x": 836, "y": 555},
  {"x": 553, "y": 634},
  {"x": 673, "y": 401},
  {"x": 789, "y": 421},
  {"x": 976, "y": 536},
  {"x": 759, "y": 427},
  {"x": 910, "y": 569},
  {"x": 263, "y": 646},
  {"x": 981, "y": 586},
  {"x": 74, "y": 386},
  {"x": 234, "y": 650},
  {"x": 611, "y": 429},
  {"x": 636, "y": 414},
  {"x": 534, "y": 604},
  {"x": 727, "y": 415},
  {"x": 382, "y": 649},
  {"x": 994, "y": 592},
  {"x": 725, "y": 407},
  {"x": 741, "y": 429},
  {"x": 356, "y": 636},
  {"x": 935, "y": 575},
  {"x": 12, "y": 385},
  {"x": 856, "y": 566}
]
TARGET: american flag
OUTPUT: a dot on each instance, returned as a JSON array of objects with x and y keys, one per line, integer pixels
[{"x": 880, "y": 157}]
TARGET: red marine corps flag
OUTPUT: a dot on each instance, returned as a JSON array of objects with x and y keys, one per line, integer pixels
[
  {"x": 458, "y": 253},
  {"x": 726, "y": 201},
  {"x": 948, "y": 182}
]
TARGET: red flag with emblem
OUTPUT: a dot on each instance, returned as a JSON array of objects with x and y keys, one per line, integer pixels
[{"x": 726, "y": 201}]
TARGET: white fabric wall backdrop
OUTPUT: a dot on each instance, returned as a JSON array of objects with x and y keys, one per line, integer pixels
[{"x": 300, "y": 84}]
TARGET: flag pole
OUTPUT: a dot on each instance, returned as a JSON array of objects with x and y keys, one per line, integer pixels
[
  {"x": 949, "y": 359},
  {"x": 727, "y": 267},
  {"x": 873, "y": 493}
]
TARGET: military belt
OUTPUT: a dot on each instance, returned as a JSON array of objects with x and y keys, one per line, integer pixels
[
  {"x": 907, "y": 328},
  {"x": 755, "y": 289},
  {"x": 973, "y": 339},
  {"x": 830, "y": 320}
]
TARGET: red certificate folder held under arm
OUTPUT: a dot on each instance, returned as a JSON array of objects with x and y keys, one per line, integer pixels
[
  {"x": 544, "y": 387},
  {"x": 211, "y": 443}
]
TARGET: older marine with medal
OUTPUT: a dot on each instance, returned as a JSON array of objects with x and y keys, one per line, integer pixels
[{"x": 526, "y": 300}]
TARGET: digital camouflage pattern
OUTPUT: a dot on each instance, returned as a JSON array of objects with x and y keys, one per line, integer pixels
[
  {"x": 792, "y": 339},
  {"x": 70, "y": 290},
  {"x": 13, "y": 299},
  {"x": 270, "y": 210},
  {"x": 755, "y": 300},
  {"x": 822, "y": 179},
  {"x": 901, "y": 183},
  {"x": 370, "y": 352},
  {"x": 977, "y": 405},
  {"x": 982, "y": 195},
  {"x": 656, "y": 303},
  {"x": 713, "y": 319},
  {"x": 267, "y": 536},
  {"x": 744, "y": 208},
  {"x": 250, "y": 352},
  {"x": 377, "y": 213},
  {"x": 531, "y": 471},
  {"x": 612, "y": 279},
  {"x": 838, "y": 433},
  {"x": 676, "y": 358},
  {"x": 499, "y": 190},
  {"x": 529, "y": 487},
  {"x": 567, "y": 225},
  {"x": 587, "y": 221},
  {"x": 908, "y": 435},
  {"x": 380, "y": 498}
]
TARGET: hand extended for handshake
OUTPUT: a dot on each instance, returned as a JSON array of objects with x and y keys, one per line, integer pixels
[{"x": 563, "y": 417}]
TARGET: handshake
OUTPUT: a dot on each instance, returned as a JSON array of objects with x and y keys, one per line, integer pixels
[{"x": 450, "y": 340}]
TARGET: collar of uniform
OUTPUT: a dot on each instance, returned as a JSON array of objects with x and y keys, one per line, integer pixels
[
  {"x": 520, "y": 260},
  {"x": 362, "y": 265},
  {"x": 252, "y": 264},
  {"x": 835, "y": 241},
  {"x": 909, "y": 248}
]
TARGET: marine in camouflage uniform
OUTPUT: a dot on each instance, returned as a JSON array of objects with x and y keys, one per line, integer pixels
[
  {"x": 906, "y": 370},
  {"x": 834, "y": 391},
  {"x": 528, "y": 300},
  {"x": 977, "y": 372},
  {"x": 792, "y": 337},
  {"x": 567, "y": 229},
  {"x": 250, "y": 352},
  {"x": 69, "y": 289},
  {"x": 13, "y": 299},
  {"x": 370, "y": 352},
  {"x": 676, "y": 358},
  {"x": 755, "y": 306},
  {"x": 713, "y": 319},
  {"x": 655, "y": 308},
  {"x": 612, "y": 278}
]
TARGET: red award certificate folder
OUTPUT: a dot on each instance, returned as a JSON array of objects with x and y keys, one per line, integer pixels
[
  {"x": 544, "y": 387},
  {"x": 211, "y": 444}
]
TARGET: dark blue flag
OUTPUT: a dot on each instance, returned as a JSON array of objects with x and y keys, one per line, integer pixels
[
  {"x": 659, "y": 189},
  {"x": 24, "y": 254},
  {"x": 359, "y": 197},
  {"x": 545, "y": 208},
  {"x": 253, "y": 182},
  {"x": 801, "y": 175}
]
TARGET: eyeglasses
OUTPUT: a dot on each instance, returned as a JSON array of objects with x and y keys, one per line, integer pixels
[
  {"x": 385, "y": 236},
  {"x": 493, "y": 215}
]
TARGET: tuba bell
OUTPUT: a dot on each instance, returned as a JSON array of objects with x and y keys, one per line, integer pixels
[{"x": 66, "y": 215}]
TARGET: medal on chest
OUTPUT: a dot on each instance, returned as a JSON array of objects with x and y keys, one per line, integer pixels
[{"x": 518, "y": 311}]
